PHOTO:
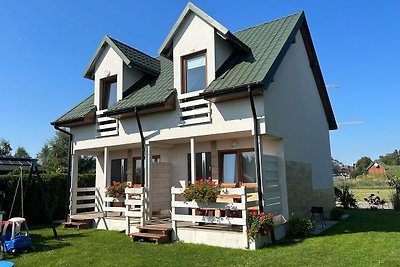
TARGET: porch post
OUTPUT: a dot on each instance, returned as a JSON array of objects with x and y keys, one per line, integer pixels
[
  {"x": 192, "y": 160},
  {"x": 148, "y": 161},
  {"x": 74, "y": 184},
  {"x": 106, "y": 166}
]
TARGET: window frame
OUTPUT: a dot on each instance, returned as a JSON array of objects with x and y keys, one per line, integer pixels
[
  {"x": 105, "y": 90},
  {"x": 183, "y": 64},
  {"x": 239, "y": 164}
]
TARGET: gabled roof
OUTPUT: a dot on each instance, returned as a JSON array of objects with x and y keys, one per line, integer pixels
[
  {"x": 131, "y": 57},
  {"x": 82, "y": 113},
  {"x": 269, "y": 43},
  {"x": 166, "y": 47},
  {"x": 148, "y": 92}
]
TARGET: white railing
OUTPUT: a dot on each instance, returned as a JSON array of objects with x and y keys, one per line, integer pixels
[
  {"x": 194, "y": 109},
  {"x": 105, "y": 126},
  {"x": 135, "y": 206},
  {"x": 226, "y": 193},
  {"x": 86, "y": 199}
]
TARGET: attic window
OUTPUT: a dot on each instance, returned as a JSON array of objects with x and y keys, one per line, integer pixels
[
  {"x": 108, "y": 92},
  {"x": 194, "y": 72}
]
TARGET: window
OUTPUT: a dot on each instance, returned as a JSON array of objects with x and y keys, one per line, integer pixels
[
  {"x": 108, "y": 92},
  {"x": 237, "y": 166},
  {"x": 194, "y": 72},
  {"x": 118, "y": 170},
  {"x": 137, "y": 168},
  {"x": 203, "y": 165}
]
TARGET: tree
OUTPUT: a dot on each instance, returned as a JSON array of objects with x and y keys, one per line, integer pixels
[
  {"x": 5, "y": 147},
  {"x": 361, "y": 166},
  {"x": 54, "y": 153},
  {"x": 21, "y": 152},
  {"x": 54, "y": 156},
  {"x": 391, "y": 158}
]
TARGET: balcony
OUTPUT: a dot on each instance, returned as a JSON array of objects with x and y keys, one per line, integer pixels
[
  {"x": 194, "y": 109},
  {"x": 105, "y": 126}
]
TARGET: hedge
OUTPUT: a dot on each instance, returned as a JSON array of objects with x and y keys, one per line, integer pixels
[{"x": 34, "y": 211}]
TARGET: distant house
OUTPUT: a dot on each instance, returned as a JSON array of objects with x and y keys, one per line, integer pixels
[
  {"x": 249, "y": 109},
  {"x": 378, "y": 167}
]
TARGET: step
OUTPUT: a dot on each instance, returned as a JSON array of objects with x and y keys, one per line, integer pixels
[
  {"x": 158, "y": 238},
  {"x": 78, "y": 223},
  {"x": 156, "y": 228}
]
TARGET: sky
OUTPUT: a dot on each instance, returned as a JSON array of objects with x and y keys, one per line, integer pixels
[{"x": 46, "y": 45}]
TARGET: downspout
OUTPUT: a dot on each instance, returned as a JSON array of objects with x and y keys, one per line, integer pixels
[
  {"x": 142, "y": 141},
  {"x": 69, "y": 169},
  {"x": 256, "y": 150}
]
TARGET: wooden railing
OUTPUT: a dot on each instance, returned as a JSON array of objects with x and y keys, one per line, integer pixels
[
  {"x": 194, "y": 109},
  {"x": 135, "y": 206},
  {"x": 86, "y": 199},
  {"x": 106, "y": 126},
  {"x": 240, "y": 207}
]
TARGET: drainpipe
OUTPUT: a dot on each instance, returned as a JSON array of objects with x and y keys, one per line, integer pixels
[
  {"x": 69, "y": 169},
  {"x": 256, "y": 150},
  {"x": 142, "y": 143}
]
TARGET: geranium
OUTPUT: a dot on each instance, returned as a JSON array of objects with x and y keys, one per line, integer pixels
[
  {"x": 259, "y": 224},
  {"x": 204, "y": 190},
  {"x": 116, "y": 189}
]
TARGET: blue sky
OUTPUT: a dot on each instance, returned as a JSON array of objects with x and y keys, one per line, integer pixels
[{"x": 46, "y": 45}]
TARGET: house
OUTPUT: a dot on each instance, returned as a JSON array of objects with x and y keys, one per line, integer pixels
[
  {"x": 378, "y": 167},
  {"x": 249, "y": 109}
]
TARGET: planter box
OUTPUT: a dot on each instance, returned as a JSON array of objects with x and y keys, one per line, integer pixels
[{"x": 260, "y": 242}]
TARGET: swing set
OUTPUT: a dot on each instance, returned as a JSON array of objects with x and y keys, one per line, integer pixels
[{"x": 12, "y": 240}]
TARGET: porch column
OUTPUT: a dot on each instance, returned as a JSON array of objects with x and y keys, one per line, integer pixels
[
  {"x": 106, "y": 166},
  {"x": 148, "y": 161},
  {"x": 192, "y": 160},
  {"x": 74, "y": 184}
]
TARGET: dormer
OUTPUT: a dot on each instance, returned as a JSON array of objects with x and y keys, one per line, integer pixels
[
  {"x": 115, "y": 67},
  {"x": 198, "y": 45}
]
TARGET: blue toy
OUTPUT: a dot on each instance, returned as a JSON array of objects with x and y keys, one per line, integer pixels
[{"x": 15, "y": 236}]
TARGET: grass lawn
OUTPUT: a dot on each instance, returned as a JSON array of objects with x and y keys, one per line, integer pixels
[
  {"x": 361, "y": 193},
  {"x": 366, "y": 238}
]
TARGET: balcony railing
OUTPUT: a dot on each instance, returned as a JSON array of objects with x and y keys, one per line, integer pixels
[
  {"x": 194, "y": 109},
  {"x": 106, "y": 126}
]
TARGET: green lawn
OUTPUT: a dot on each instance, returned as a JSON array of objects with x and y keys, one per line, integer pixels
[
  {"x": 366, "y": 238},
  {"x": 361, "y": 193}
]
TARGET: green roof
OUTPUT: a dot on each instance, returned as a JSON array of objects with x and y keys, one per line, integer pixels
[
  {"x": 131, "y": 57},
  {"x": 78, "y": 113},
  {"x": 148, "y": 92},
  {"x": 269, "y": 43},
  {"x": 266, "y": 42}
]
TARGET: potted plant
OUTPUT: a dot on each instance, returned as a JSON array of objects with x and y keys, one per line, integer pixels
[
  {"x": 204, "y": 190},
  {"x": 117, "y": 191},
  {"x": 259, "y": 226}
]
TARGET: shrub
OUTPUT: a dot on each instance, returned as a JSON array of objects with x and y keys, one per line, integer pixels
[
  {"x": 301, "y": 227},
  {"x": 203, "y": 190},
  {"x": 56, "y": 188},
  {"x": 259, "y": 225},
  {"x": 336, "y": 213},
  {"x": 395, "y": 199},
  {"x": 346, "y": 198}
]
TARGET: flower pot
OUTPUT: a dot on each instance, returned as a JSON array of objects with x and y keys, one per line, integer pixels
[{"x": 260, "y": 242}]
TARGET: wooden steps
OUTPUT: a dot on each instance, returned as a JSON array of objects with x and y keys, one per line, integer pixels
[
  {"x": 159, "y": 234},
  {"x": 78, "y": 223}
]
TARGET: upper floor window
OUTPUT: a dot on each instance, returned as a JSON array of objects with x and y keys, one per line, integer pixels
[
  {"x": 194, "y": 72},
  {"x": 108, "y": 92}
]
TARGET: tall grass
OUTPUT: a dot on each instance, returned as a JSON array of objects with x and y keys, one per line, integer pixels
[{"x": 364, "y": 181}]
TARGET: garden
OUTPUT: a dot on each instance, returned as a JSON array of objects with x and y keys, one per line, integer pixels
[{"x": 367, "y": 237}]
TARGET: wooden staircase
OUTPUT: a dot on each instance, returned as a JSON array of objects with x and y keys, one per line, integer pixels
[
  {"x": 78, "y": 223},
  {"x": 159, "y": 234}
]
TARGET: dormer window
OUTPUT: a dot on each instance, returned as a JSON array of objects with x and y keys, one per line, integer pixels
[
  {"x": 108, "y": 92},
  {"x": 194, "y": 72}
]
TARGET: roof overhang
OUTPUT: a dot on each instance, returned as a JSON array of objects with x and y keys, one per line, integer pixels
[
  {"x": 167, "y": 105},
  {"x": 167, "y": 46},
  {"x": 89, "y": 118}
]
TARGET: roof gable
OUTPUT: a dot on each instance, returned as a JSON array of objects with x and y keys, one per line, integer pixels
[
  {"x": 166, "y": 47},
  {"x": 131, "y": 56}
]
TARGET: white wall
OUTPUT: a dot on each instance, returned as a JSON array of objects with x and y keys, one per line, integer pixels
[{"x": 294, "y": 112}]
